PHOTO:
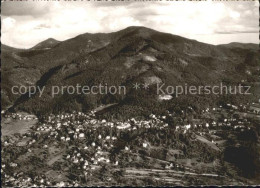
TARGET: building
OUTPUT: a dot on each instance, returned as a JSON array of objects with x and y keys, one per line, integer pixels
[{"x": 255, "y": 108}]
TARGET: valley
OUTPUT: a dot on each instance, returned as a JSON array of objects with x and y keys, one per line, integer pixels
[
  {"x": 138, "y": 137},
  {"x": 78, "y": 149}
]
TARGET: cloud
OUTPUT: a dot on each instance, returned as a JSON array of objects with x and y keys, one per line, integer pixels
[
  {"x": 43, "y": 26},
  {"x": 234, "y": 32},
  {"x": 28, "y": 23},
  {"x": 23, "y": 8},
  {"x": 8, "y": 23}
]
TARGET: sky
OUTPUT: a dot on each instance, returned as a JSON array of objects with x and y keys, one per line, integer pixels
[{"x": 24, "y": 24}]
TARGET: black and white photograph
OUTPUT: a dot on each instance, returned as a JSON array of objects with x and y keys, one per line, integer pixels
[{"x": 136, "y": 93}]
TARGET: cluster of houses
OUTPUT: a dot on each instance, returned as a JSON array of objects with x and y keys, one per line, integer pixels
[
  {"x": 18, "y": 116},
  {"x": 91, "y": 141},
  {"x": 19, "y": 180}
]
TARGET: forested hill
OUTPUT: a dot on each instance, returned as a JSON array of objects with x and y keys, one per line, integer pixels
[{"x": 123, "y": 58}]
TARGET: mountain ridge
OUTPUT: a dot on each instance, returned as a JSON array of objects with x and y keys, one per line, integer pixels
[
  {"x": 46, "y": 44},
  {"x": 132, "y": 28},
  {"x": 134, "y": 54}
]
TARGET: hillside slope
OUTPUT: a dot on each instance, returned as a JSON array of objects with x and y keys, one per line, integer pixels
[{"x": 133, "y": 55}]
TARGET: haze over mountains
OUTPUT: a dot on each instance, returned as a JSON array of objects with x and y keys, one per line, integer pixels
[{"x": 132, "y": 55}]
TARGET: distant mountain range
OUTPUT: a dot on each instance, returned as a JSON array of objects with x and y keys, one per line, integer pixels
[
  {"x": 132, "y": 55},
  {"x": 241, "y": 45},
  {"x": 47, "y": 44}
]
